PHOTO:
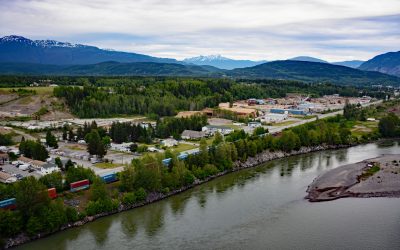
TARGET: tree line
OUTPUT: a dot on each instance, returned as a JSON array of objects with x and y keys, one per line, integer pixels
[{"x": 158, "y": 97}]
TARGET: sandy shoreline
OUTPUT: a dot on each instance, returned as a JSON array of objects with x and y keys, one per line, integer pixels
[{"x": 375, "y": 177}]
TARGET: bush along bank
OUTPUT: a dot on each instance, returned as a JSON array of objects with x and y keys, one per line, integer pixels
[{"x": 148, "y": 180}]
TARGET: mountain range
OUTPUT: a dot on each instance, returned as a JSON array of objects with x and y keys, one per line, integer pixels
[
  {"x": 221, "y": 62},
  {"x": 23, "y": 50},
  {"x": 388, "y": 63},
  {"x": 19, "y": 55}
]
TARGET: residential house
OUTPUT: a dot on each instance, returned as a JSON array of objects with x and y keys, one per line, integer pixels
[
  {"x": 7, "y": 178},
  {"x": 212, "y": 129},
  {"x": 170, "y": 142},
  {"x": 48, "y": 168},
  {"x": 192, "y": 135},
  {"x": 33, "y": 163}
]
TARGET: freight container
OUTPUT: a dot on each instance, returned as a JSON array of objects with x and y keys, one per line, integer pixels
[
  {"x": 79, "y": 185},
  {"x": 166, "y": 162},
  {"x": 52, "y": 193},
  {"x": 108, "y": 178},
  {"x": 8, "y": 204},
  {"x": 183, "y": 156}
]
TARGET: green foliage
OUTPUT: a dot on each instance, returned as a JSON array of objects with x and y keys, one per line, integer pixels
[
  {"x": 128, "y": 198},
  {"x": 172, "y": 126},
  {"x": 53, "y": 180},
  {"x": 218, "y": 139},
  {"x": 98, "y": 190},
  {"x": 34, "y": 150},
  {"x": 10, "y": 223},
  {"x": 31, "y": 197},
  {"x": 141, "y": 194},
  {"x": 148, "y": 173},
  {"x": 79, "y": 173},
  {"x": 389, "y": 126},
  {"x": 51, "y": 140},
  {"x": 101, "y": 206},
  {"x": 6, "y": 140},
  {"x": 95, "y": 145}
]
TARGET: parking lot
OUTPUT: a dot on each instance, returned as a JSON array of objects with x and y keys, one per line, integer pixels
[{"x": 12, "y": 170}]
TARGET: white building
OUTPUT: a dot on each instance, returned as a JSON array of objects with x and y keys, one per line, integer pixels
[
  {"x": 169, "y": 142},
  {"x": 211, "y": 129},
  {"x": 254, "y": 124},
  {"x": 272, "y": 118},
  {"x": 48, "y": 168}
]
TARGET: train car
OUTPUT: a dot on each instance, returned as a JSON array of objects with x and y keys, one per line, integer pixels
[
  {"x": 8, "y": 204},
  {"x": 108, "y": 178},
  {"x": 52, "y": 192},
  {"x": 79, "y": 185}
]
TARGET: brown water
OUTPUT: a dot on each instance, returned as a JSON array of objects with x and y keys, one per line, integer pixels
[{"x": 258, "y": 208}]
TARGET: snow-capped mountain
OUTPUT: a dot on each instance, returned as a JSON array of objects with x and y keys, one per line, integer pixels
[
  {"x": 23, "y": 50},
  {"x": 221, "y": 62}
]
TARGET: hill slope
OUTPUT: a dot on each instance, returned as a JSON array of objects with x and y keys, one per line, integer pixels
[
  {"x": 110, "y": 68},
  {"x": 352, "y": 64},
  {"x": 307, "y": 59},
  {"x": 315, "y": 72},
  {"x": 221, "y": 62},
  {"x": 292, "y": 70},
  {"x": 388, "y": 63},
  {"x": 22, "y": 50}
]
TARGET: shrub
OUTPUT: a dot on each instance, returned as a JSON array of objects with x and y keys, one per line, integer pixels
[{"x": 129, "y": 198}]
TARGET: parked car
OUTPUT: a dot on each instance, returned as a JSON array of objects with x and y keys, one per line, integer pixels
[{"x": 19, "y": 176}]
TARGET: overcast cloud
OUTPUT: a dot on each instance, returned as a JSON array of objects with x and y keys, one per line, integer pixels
[{"x": 269, "y": 29}]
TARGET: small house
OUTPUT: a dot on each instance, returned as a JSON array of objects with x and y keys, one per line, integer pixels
[
  {"x": 170, "y": 142},
  {"x": 48, "y": 168}
]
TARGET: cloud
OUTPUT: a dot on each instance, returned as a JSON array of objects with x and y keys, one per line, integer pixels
[{"x": 258, "y": 29}]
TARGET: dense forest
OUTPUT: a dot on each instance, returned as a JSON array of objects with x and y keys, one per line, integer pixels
[{"x": 106, "y": 97}]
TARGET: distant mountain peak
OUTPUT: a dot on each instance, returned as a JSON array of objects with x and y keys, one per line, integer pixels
[
  {"x": 307, "y": 59},
  {"x": 15, "y": 38},
  {"x": 207, "y": 58},
  {"x": 221, "y": 62}
]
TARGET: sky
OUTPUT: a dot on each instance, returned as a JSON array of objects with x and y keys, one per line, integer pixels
[{"x": 333, "y": 30}]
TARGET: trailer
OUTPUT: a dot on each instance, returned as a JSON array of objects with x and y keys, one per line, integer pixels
[
  {"x": 52, "y": 192},
  {"x": 8, "y": 204},
  {"x": 108, "y": 178},
  {"x": 79, "y": 185}
]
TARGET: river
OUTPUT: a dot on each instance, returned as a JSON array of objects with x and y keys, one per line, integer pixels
[{"x": 258, "y": 208}]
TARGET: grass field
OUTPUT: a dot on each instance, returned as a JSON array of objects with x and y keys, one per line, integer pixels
[
  {"x": 39, "y": 90},
  {"x": 182, "y": 147},
  {"x": 107, "y": 165},
  {"x": 285, "y": 123}
]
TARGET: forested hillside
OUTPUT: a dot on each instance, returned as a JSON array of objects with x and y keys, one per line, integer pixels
[{"x": 105, "y": 97}]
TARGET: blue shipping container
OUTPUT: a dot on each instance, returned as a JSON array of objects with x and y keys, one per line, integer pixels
[
  {"x": 183, "y": 156},
  {"x": 108, "y": 178},
  {"x": 166, "y": 162},
  {"x": 8, "y": 203}
]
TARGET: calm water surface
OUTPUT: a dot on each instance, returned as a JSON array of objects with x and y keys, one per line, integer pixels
[{"x": 258, "y": 208}]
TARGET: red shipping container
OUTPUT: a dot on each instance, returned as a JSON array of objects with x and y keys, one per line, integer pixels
[
  {"x": 79, "y": 183},
  {"x": 52, "y": 193}
]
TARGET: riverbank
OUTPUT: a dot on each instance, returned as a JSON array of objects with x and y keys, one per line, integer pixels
[
  {"x": 375, "y": 177},
  {"x": 153, "y": 197}
]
